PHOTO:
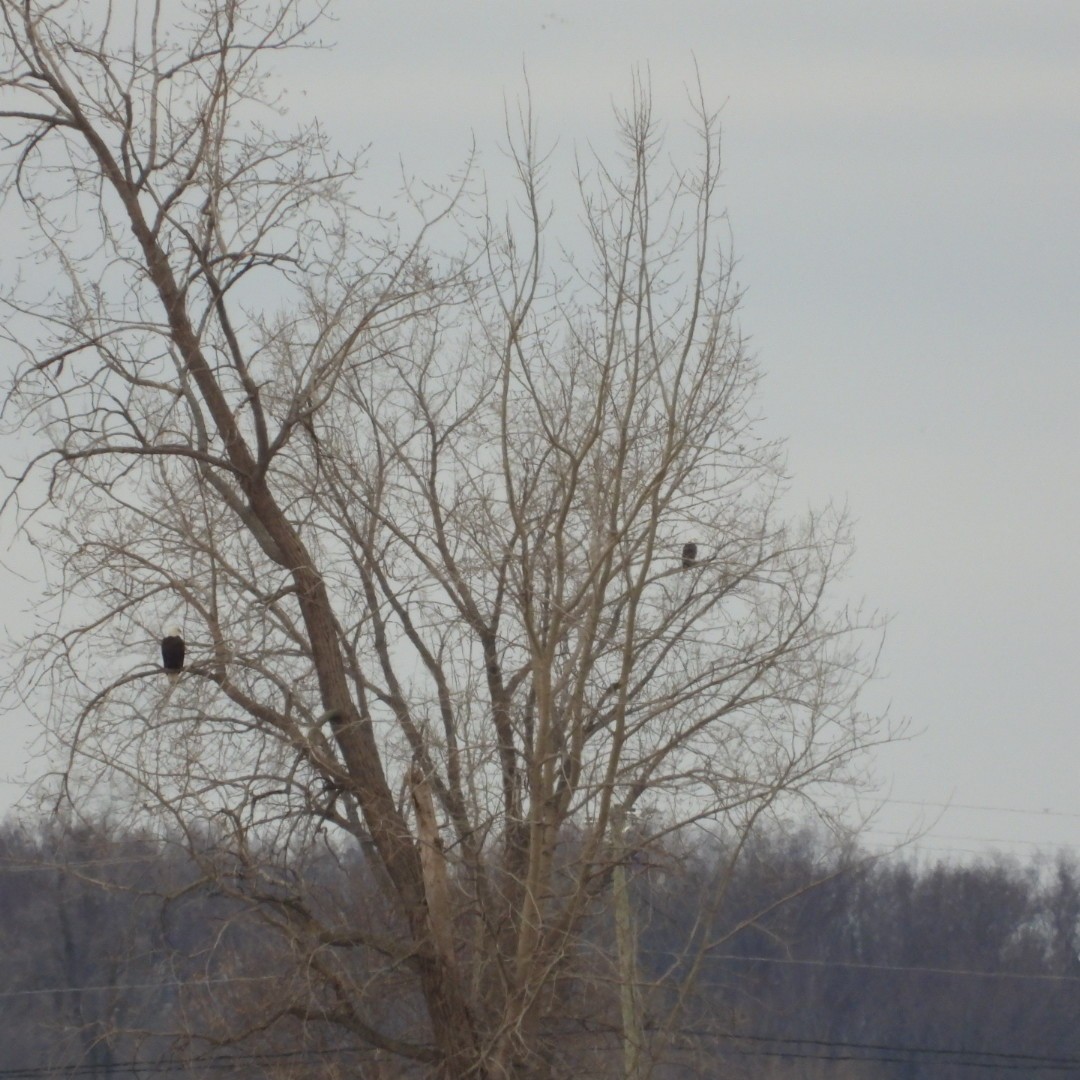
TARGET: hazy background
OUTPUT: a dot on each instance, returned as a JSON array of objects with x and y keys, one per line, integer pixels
[{"x": 902, "y": 183}]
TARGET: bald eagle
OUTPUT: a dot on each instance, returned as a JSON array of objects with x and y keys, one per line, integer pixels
[
  {"x": 172, "y": 654},
  {"x": 689, "y": 555}
]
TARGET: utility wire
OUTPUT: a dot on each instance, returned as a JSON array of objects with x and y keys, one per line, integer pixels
[
  {"x": 900, "y": 969},
  {"x": 931, "y": 836},
  {"x": 769, "y": 1046},
  {"x": 1033, "y": 1060},
  {"x": 163, "y": 984},
  {"x": 1045, "y": 812},
  {"x": 895, "y": 968}
]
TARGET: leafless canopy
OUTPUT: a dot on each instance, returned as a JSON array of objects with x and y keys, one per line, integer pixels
[{"x": 417, "y": 496}]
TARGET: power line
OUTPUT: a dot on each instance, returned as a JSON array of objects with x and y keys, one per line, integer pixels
[
  {"x": 175, "y": 1064},
  {"x": 773, "y": 1046},
  {"x": 162, "y": 984},
  {"x": 24, "y": 867},
  {"x": 991, "y": 1058},
  {"x": 886, "y": 1059},
  {"x": 905, "y": 969},
  {"x": 1044, "y": 812},
  {"x": 900, "y": 969},
  {"x": 918, "y": 840}
]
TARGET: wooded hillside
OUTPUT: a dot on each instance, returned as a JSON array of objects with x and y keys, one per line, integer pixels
[{"x": 118, "y": 949}]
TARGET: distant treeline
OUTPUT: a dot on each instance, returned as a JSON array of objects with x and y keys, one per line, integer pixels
[{"x": 121, "y": 955}]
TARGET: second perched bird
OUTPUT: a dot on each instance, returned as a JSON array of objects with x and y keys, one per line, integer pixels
[
  {"x": 689, "y": 555},
  {"x": 172, "y": 654}
]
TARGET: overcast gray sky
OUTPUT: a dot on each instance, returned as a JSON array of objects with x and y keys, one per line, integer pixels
[{"x": 902, "y": 183}]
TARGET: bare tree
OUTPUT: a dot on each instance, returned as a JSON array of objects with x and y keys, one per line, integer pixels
[{"x": 420, "y": 500}]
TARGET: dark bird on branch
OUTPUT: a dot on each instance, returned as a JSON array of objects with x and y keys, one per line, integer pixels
[
  {"x": 172, "y": 654},
  {"x": 689, "y": 555}
]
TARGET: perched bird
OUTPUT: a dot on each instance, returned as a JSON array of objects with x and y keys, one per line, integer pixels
[
  {"x": 689, "y": 555},
  {"x": 172, "y": 654}
]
